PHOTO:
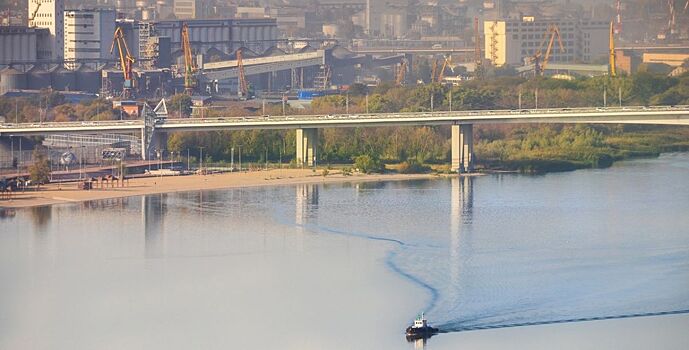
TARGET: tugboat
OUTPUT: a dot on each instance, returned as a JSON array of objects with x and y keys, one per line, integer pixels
[{"x": 420, "y": 329}]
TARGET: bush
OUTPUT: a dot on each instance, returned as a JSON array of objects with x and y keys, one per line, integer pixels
[
  {"x": 413, "y": 166},
  {"x": 368, "y": 164}
]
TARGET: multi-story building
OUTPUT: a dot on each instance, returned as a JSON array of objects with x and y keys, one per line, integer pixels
[
  {"x": 49, "y": 14},
  {"x": 88, "y": 34},
  {"x": 514, "y": 42},
  {"x": 22, "y": 44},
  {"x": 191, "y": 9}
]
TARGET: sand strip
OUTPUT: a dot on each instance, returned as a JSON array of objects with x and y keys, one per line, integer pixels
[{"x": 64, "y": 193}]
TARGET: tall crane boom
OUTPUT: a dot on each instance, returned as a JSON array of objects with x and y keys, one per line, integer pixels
[
  {"x": 189, "y": 67},
  {"x": 554, "y": 31},
  {"x": 401, "y": 73},
  {"x": 478, "y": 57},
  {"x": 126, "y": 60},
  {"x": 613, "y": 57},
  {"x": 441, "y": 74},
  {"x": 243, "y": 85}
]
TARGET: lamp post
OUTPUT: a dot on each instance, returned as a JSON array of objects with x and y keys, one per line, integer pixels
[
  {"x": 605, "y": 95},
  {"x": 81, "y": 162},
  {"x": 367, "y": 103},
  {"x": 11, "y": 150},
  {"x": 201, "y": 157},
  {"x": 347, "y": 103},
  {"x": 450, "y": 98},
  {"x": 284, "y": 100}
]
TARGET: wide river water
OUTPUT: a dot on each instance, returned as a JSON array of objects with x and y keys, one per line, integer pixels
[{"x": 585, "y": 259}]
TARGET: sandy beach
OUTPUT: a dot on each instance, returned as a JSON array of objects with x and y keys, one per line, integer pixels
[{"x": 68, "y": 192}]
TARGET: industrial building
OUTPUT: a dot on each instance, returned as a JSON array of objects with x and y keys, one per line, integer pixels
[
  {"x": 515, "y": 41},
  {"x": 671, "y": 59},
  {"x": 24, "y": 44},
  {"x": 387, "y": 18},
  {"x": 87, "y": 34},
  {"x": 49, "y": 14},
  {"x": 220, "y": 36}
]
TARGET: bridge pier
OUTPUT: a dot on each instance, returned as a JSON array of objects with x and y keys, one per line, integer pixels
[
  {"x": 156, "y": 141},
  {"x": 307, "y": 145},
  {"x": 463, "y": 148}
]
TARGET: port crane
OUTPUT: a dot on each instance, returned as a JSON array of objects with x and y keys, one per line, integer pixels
[
  {"x": 670, "y": 31},
  {"x": 189, "y": 66},
  {"x": 438, "y": 70},
  {"x": 539, "y": 60},
  {"x": 446, "y": 62},
  {"x": 126, "y": 61}
]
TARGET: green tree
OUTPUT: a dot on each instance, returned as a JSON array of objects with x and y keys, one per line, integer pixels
[
  {"x": 39, "y": 171},
  {"x": 180, "y": 102},
  {"x": 368, "y": 164}
]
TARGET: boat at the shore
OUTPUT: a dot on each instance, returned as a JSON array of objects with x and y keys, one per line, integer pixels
[{"x": 420, "y": 329}]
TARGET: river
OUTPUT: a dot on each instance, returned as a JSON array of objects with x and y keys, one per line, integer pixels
[{"x": 585, "y": 259}]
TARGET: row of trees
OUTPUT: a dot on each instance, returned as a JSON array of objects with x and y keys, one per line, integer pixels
[
  {"x": 417, "y": 145},
  {"x": 52, "y": 106},
  {"x": 583, "y": 146}
]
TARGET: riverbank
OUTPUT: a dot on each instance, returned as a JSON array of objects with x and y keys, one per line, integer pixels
[{"x": 65, "y": 193}]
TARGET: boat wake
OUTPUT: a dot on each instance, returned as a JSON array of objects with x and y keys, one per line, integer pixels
[
  {"x": 460, "y": 326},
  {"x": 389, "y": 259}
]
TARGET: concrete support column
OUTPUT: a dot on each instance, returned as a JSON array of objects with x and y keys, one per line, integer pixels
[
  {"x": 156, "y": 141},
  {"x": 463, "y": 148},
  {"x": 307, "y": 144}
]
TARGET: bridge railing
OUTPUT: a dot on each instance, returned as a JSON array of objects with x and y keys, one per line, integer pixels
[{"x": 342, "y": 116}]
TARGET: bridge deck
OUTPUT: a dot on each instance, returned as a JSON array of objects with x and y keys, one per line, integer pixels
[{"x": 675, "y": 115}]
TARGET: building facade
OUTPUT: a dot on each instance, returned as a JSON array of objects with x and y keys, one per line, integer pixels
[
  {"x": 88, "y": 34},
  {"x": 514, "y": 42},
  {"x": 191, "y": 9},
  {"x": 49, "y": 14}
]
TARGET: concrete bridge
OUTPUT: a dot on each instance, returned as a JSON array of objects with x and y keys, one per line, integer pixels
[{"x": 154, "y": 130}]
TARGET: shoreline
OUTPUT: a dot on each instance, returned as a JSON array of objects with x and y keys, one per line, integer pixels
[{"x": 51, "y": 194}]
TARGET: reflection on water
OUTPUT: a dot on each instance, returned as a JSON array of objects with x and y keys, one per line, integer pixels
[
  {"x": 461, "y": 208},
  {"x": 306, "y": 202},
  {"x": 41, "y": 216},
  {"x": 7, "y": 213},
  {"x": 153, "y": 214}
]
